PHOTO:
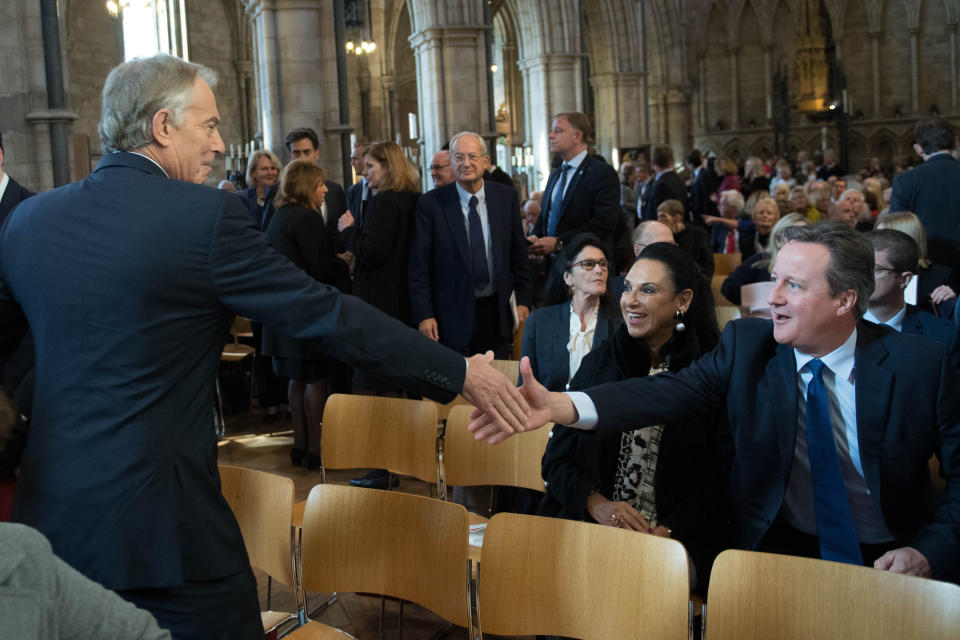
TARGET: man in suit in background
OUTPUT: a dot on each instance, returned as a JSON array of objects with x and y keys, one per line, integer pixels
[
  {"x": 120, "y": 469},
  {"x": 832, "y": 420},
  {"x": 303, "y": 144},
  {"x": 468, "y": 256},
  {"x": 704, "y": 185},
  {"x": 667, "y": 185},
  {"x": 582, "y": 194},
  {"x": 930, "y": 190},
  {"x": 11, "y": 192},
  {"x": 896, "y": 260},
  {"x": 440, "y": 169},
  {"x": 358, "y": 192},
  {"x": 643, "y": 185}
]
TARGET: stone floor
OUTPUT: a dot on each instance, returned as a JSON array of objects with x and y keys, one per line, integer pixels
[{"x": 250, "y": 442}]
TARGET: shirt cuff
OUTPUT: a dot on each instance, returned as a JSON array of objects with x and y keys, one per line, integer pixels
[{"x": 586, "y": 410}]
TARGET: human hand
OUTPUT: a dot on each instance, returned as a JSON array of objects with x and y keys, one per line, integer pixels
[
  {"x": 710, "y": 220},
  {"x": 543, "y": 246},
  {"x": 347, "y": 257},
  {"x": 905, "y": 560},
  {"x": 346, "y": 220},
  {"x": 942, "y": 294},
  {"x": 542, "y": 405},
  {"x": 616, "y": 514},
  {"x": 428, "y": 328},
  {"x": 495, "y": 397},
  {"x": 523, "y": 312}
]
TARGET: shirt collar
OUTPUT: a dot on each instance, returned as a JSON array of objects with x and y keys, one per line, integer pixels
[
  {"x": 660, "y": 173},
  {"x": 938, "y": 153},
  {"x": 466, "y": 195},
  {"x": 153, "y": 161},
  {"x": 840, "y": 360},
  {"x": 576, "y": 160},
  {"x": 4, "y": 181},
  {"x": 895, "y": 322}
]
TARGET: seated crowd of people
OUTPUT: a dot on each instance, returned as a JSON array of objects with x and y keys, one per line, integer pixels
[{"x": 669, "y": 427}]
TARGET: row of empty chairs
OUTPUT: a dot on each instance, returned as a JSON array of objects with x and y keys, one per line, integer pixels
[{"x": 559, "y": 577}]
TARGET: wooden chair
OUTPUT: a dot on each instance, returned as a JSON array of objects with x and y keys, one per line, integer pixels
[
  {"x": 561, "y": 577},
  {"x": 234, "y": 352},
  {"x": 716, "y": 282},
  {"x": 396, "y": 434},
  {"x": 509, "y": 368},
  {"x": 261, "y": 503},
  {"x": 466, "y": 462},
  {"x": 725, "y": 263},
  {"x": 762, "y": 595},
  {"x": 386, "y": 542},
  {"x": 753, "y": 300},
  {"x": 726, "y": 314}
]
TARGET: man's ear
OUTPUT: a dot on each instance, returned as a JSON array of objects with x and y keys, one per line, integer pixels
[
  {"x": 919, "y": 151},
  {"x": 847, "y": 299},
  {"x": 163, "y": 127},
  {"x": 904, "y": 278}
]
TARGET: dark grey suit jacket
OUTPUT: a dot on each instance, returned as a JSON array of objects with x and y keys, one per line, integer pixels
[
  {"x": 120, "y": 470},
  {"x": 591, "y": 202}
]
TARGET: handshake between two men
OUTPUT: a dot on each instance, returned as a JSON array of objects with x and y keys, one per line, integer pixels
[{"x": 504, "y": 409}]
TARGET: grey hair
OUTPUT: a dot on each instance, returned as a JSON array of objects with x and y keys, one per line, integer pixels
[
  {"x": 136, "y": 90},
  {"x": 734, "y": 196},
  {"x": 255, "y": 158},
  {"x": 463, "y": 134},
  {"x": 851, "y": 258}
]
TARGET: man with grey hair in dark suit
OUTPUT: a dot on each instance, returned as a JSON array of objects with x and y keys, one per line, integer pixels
[{"x": 120, "y": 469}]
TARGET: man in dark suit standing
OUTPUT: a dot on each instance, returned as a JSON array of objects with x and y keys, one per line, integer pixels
[
  {"x": 704, "y": 185},
  {"x": 930, "y": 190},
  {"x": 468, "y": 256},
  {"x": 358, "y": 192},
  {"x": 667, "y": 185},
  {"x": 896, "y": 256},
  {"x": 582, "y": 194},
  {"x": 129, "y": 321},
  {"x": 832, "y": 420},
  {"x": 11, "y": 192}
]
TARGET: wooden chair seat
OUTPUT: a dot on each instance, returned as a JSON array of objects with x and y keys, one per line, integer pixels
[
  {"x": 236, "y": 352},
  {"x": 273, "y": 619},
  {"x": 318, "y": 631}
]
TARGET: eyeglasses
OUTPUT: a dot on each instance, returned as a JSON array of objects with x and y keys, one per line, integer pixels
[
  {"x": 590, "y": 265},
  {"x": 438, "y": 167},
  {"x": 877, "y": 270},
  {"x": 472, "y": 157}
]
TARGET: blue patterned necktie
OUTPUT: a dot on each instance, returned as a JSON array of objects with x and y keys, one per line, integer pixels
[
  {"x": 835, "y": 526},
  {"x": 478, "y": 250},
  {"x": 555, "y": 202}
]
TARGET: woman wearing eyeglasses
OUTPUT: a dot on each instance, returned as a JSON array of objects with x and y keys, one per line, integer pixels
[{"x": 580, "y": 315}]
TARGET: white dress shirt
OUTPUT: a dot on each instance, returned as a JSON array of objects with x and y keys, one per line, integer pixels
[
  {"x": 4, "y": 181},
  {"x": 896, "y": 322},
  {"x": 573, "y": 164},
  {"x": 580, "y": 342}
]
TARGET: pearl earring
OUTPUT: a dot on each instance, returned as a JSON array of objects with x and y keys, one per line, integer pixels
[{"x": 678, "y": 317}]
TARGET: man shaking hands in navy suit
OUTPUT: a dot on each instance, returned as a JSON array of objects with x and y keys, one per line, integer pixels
[{"x": 129, "y": 320}]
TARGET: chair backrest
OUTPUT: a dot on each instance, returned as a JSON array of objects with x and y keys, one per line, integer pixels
[
  {"x": 262, "y": 503},
  {"x": 387, "y": 542},
  {"x": 725, "y": 263},
  {"x": 725, "y": 314},
  {"x": 514, "y": 462},
  {"x": 761, "y": 595},
  {"x": 561, "y": 577},
  {"x": 753, "y": 300},
  {"x": 716, "y": 285}
]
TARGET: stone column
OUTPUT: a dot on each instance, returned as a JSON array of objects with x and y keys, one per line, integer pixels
[
  {"x": 617, "y": 98},
  {"x": 677, "y": 100},
  {"x": 702, "y": 83},
  {"x": 296, "y": 66},
  {"x": 247, "y": 110},
  {"x": 767, "y": 81},
  {"x": 914, "y": 73},
  {"x": 875, "y": 57},
  {"x": 952, "y": 30},
  {"x": 734, "y": 90},
  {"x": 551, "y": 84}
]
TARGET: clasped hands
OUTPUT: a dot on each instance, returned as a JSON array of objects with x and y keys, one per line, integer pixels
[{"x": 505, "y": 410}]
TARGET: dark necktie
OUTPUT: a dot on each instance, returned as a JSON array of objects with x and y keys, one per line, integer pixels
[
  {"x": 555, "y": 202},
  {"x": 835, "y": 527},
  {"x": 478, "y": 249}
]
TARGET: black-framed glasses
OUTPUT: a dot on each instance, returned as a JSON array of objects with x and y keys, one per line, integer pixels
[
  {"x": 877, "y": 270},
  {"x": 438, "y": 167},
  {"x": 590, "y": 265}
]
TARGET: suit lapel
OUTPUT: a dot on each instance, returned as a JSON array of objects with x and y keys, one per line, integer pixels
[
  {"x": 453, "y": 214},
  {"x": 560, "y": 346},
  {"x": 497, "y": 229},
  {"x": 548, "y": 191},
  {"x": 874, "y": 386},
  {"x": 572, "y": 186},
  {"x": 781, "y": 372}
]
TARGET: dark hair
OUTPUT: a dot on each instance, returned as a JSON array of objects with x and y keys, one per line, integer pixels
[
  {"x": 702, "y": 333},
  {"x": 902, "y": 251},
  {"x": 299, "y": 134},
  {"x": 695, "y": 158},
  {"x": 556, "y": 290},
  {"x": 1, "y": 142},
  {"x": 851, "y": 258},
  {"x": 662, "y": 156},
  {"x": 934, "y": 134},
  {"x": 579, "y": 122}
]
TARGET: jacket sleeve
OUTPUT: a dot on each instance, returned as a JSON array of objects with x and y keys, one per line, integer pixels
[
  {"x": 520, "y": 270},
  {"x": 568, "y": 479},
  {"x": 373, "y": 243},
  {"x": 318, "y": 250},
  {"x": 421, "y": 253},
  {"x": 250, "y": 278},
  {"x": 529, "y": 345},
  {"x": 606, "y": 203},
  {"x": 900, "y": 196}
]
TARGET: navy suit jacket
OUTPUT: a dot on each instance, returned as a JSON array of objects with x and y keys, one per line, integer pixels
[
  {"x": 14, "y": 194},
  {"x": 669, "y": 186},
  {"x": 907, "y": 408},
  {"x": 129, "y": 320},
  {"x": 700, "y": 203},
  {"x": 930, "y": 191},
  {"x": 355, "y": 199},
  {"x": 545, "y": 339},
  {"x": 919, "y": 322},
  {"x": 591, "y": 202},
  {"x": 440, "y": 274}
]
